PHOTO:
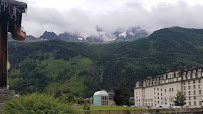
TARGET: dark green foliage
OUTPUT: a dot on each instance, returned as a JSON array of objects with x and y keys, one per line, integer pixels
[
  {"x": 86, "y": 107},
  {"x": 180, "y": 99},
  {"x": 37, "y": 104},
  {"x": 69, "y": 99},
  {"x": 57, "y": 67},
  {"x": 122, "y": 94}
]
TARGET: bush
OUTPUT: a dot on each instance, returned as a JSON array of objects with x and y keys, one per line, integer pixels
[
  {"x": 37, "y": 104},
  {"x": 69, "y": 99},
  {"x": 86, "y": 107}
]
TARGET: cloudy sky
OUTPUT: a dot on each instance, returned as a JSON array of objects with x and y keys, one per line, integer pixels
[{"x": 84, "y": 15}]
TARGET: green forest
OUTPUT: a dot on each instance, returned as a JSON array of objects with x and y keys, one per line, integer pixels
[{"x": 56, "y": 67}]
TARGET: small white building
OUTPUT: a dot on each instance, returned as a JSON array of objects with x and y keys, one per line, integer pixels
[{"x": 101, "y": 98}]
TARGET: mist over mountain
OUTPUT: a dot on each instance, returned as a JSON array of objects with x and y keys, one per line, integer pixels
[{"x": 130, "y": 34}]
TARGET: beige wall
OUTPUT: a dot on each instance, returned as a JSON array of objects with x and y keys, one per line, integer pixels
[
  {"x": 193, "y": 91},
  {"x": 111, "y": 102}
]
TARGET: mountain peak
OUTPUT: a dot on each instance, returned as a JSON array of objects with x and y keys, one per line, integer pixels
[{"x": 49, "y": 35}]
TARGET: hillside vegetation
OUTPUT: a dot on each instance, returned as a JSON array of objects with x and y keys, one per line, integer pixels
[{"x": 57, "y": 67}]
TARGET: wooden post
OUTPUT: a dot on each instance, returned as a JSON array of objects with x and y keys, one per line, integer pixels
[
  {"x": 10, "y": 17},
  {"x": 3, "y": 47},
  {"x": 8, "y": 9}
]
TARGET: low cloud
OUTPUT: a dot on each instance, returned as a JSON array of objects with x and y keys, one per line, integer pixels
[{"x": 84, "y": 20}]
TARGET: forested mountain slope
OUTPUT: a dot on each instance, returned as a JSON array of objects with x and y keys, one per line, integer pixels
[{"x": 56, "y": 66}]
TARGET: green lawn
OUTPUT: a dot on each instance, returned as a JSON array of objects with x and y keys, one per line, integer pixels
[{"x": 108, "y": 108}]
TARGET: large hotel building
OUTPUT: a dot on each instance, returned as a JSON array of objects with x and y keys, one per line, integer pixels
[{"x": 161, "y": 91}]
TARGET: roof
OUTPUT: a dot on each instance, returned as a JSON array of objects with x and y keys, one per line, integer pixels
[
  {"x": 19, "y": 5},
  {"x": 101, "y": 93}
]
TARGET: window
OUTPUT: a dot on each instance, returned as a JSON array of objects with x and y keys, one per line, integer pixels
[
  {"x": 171, "y": 100},
  {"x": 184, "y": 88},
  {"x": 169, "y": 89},
  {"x": 104, "y": 100},
  {"x": 188, "y": 92},
  {"x": 195, "y": 103},
  {"x": 200, "y": 103},
  {"x": 184, "y": 93},
  {"x": 161, "y": 94},
  {"x": 189, "y": 98},
  {"x": 188, "y": 82},
  {"x": 189, "y": 103},
  {"x": 188, "y": 87},
  {"x": 157, "y": 89},
  {"x": 200, "y": 92},
  {"x": 161, "y": 89},
  {"x": 194, "y": 92},
  {"x": 193, "y": 86},
  {"x": 194, "y": 98},
  {"x": 199, "y": 86},
  {"x": 193, "y": 81},
  {"x": 165, "y": 90},
  {"x": 199, "y": 81},
  {"x": 172, "y": 89}
]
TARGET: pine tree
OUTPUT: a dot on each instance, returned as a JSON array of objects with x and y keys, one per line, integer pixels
[
  {"x": 180, "y": 99},
  {"x": 122, "y": 94}
]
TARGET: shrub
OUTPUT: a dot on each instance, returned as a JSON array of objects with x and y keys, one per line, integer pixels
[
  {"x": 86, "y": 107},
  {"x": 69, "y": 99},
  {"x": 37, "y": 104}
]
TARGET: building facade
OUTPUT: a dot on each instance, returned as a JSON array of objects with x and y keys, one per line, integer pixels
[{"x": 161, "y": 91}]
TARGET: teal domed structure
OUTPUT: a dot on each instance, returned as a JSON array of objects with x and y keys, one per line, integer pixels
[{"x": 101, "y": 98}]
